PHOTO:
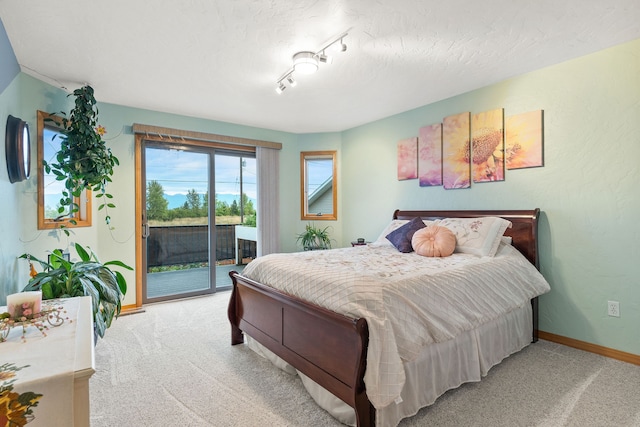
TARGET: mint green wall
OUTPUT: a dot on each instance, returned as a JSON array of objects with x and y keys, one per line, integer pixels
[
  {"x": 588, "y": 190},
  {"x": 319, "y": 142},
  {"x": 23, "y": 97}
]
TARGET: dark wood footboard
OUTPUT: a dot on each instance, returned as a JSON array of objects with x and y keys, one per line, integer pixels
[{"x": 329, "y": 348}]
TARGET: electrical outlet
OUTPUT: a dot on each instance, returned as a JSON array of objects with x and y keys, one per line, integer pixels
[{"x": 613, "y": 308}]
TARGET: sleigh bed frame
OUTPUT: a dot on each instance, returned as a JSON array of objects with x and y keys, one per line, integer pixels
[{"x": 330, "y": 348}]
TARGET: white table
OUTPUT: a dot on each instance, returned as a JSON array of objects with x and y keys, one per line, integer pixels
[{"x": 59, "y": 365}]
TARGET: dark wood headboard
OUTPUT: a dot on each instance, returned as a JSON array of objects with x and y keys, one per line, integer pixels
[{"x": 524, "y": 230}]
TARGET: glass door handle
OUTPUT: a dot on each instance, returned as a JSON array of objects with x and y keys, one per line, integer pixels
[{"x": 145, "y": 230}]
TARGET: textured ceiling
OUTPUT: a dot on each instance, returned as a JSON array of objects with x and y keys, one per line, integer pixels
[{"x": 220, "y": 59}]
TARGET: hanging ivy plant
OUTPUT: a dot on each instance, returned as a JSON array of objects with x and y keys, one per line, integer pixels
[{"x": 84, "y": 162}]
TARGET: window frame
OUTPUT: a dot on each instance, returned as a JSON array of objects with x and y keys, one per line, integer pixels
[
  {"x": 83, "y": 217},
  {"x": 305, "y": 156}
]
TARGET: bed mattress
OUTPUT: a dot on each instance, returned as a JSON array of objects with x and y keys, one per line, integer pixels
[{"x": 409, "y": 301}]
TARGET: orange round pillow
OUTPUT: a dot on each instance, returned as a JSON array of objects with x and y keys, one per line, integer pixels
[{"x": 434, "y": 241}]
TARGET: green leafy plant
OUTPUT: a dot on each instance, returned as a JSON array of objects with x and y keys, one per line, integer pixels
[
  {"x": 84, "y": 162},
  {"x": 250, "y": 220},
  {"x": 61, "y": 278},
  {"x": 314, "y": 238}
]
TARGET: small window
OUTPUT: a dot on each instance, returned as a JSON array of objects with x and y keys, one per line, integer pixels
[
  {"x": 318, "y": 185},
  {"x": 50, "y": 189}
]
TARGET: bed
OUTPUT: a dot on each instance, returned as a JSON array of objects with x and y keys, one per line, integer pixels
[{"x": 330, "y": 346}]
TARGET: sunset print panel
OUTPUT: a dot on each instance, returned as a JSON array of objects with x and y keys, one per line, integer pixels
[
  {"x": 408, "y": 159},
  {"x": 456, "y": 172},
  {"x": 487, "y": 146},
  {"x": 430, "y": 155},
  {"x": 525, "y": 140}
]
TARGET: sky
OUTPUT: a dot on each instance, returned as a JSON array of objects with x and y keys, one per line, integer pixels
[{"x": 181, "y": 171}]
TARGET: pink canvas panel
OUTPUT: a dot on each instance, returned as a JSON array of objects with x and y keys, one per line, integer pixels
[
  {"x": 408, "y": 159},
  {"x": 430, "y": 155},
  {"x": 456, "y": 155}
]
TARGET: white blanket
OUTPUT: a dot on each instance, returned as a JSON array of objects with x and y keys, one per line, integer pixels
[{"x": 409, "y": 301}]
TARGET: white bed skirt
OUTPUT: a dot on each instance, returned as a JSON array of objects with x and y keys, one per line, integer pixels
[{"x": 439, "y": 367}]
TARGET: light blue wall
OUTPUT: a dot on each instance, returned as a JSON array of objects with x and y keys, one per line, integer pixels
[
  {"x": 588, "y": 190},
  {"x": 9, "y": 67}
]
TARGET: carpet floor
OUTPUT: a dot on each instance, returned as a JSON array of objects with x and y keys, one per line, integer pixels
[{"x": 173, "y": 365}]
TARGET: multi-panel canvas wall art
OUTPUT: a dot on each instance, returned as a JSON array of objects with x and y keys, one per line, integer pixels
[
  {"x": 430, "y": 155},
  {"x": 524, "y": 148},
  {"x": 466, "y": 147},
  {"x": 487, "y": 146},
  {"x": 408, "y": 159},
  {"x": 456, "y": 156}
]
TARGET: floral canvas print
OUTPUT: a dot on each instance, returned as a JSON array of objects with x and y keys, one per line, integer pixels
[
  {"x": 524, "y": 148},
  {"x": 430, "y": 155},
  {"x": 456, "y": 156},
  {"x": 487, "y": 146},
  {"x": 407, "y": 159}
]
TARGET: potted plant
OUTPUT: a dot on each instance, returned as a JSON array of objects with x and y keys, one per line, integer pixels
[
  {"x": 84, "y": 162},
  {"x": 62, "y": 278},
  {"x": 314, "y": 238}
]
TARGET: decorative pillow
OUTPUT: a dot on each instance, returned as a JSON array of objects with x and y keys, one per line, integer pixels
[
  {"x": 401, "y": 237},
  {"x": 434, "y": 241},
  {"x": 393, "y": 225},
  {"x": 477, "y": 236}
]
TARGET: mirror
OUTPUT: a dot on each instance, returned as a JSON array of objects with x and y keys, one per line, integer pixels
[
  {"x": 318, "y": 185},
  {"x": 17, "y": 149},
  {"x": 49, "y": 187}
]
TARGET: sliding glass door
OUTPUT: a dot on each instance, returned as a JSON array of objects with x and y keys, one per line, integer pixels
[{"x": 192, "y": 240}]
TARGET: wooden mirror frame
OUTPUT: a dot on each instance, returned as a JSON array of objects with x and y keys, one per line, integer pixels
[{"x": 305, "y": 157}]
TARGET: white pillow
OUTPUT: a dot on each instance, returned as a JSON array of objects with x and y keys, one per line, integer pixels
[
  {"x": 393, "y": 225},
  {"x": 477, "y": 236}
]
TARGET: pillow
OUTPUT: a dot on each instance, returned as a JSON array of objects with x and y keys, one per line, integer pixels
[
  {"x": 393, "y": 225},
  {"x": 434, "y": 241},
  {"x": 477, "y": 236},
  {"x": 401, "y": 237}
]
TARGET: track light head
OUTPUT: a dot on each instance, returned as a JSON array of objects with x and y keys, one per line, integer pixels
[
  {"x": 280, "y": 88},
  {"x": 342, "y": 47},
  {"x": 326, "y": 59},
  {"x": 291, "y": 81}
]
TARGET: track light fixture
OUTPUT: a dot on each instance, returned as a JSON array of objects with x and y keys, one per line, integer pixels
[{"x": 307, "y": 62}]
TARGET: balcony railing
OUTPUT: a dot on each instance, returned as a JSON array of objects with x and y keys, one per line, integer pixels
[{"x": 189, "y": 244}]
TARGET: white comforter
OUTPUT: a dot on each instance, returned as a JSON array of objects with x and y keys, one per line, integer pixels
[{"x": 408, "y": 300}]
